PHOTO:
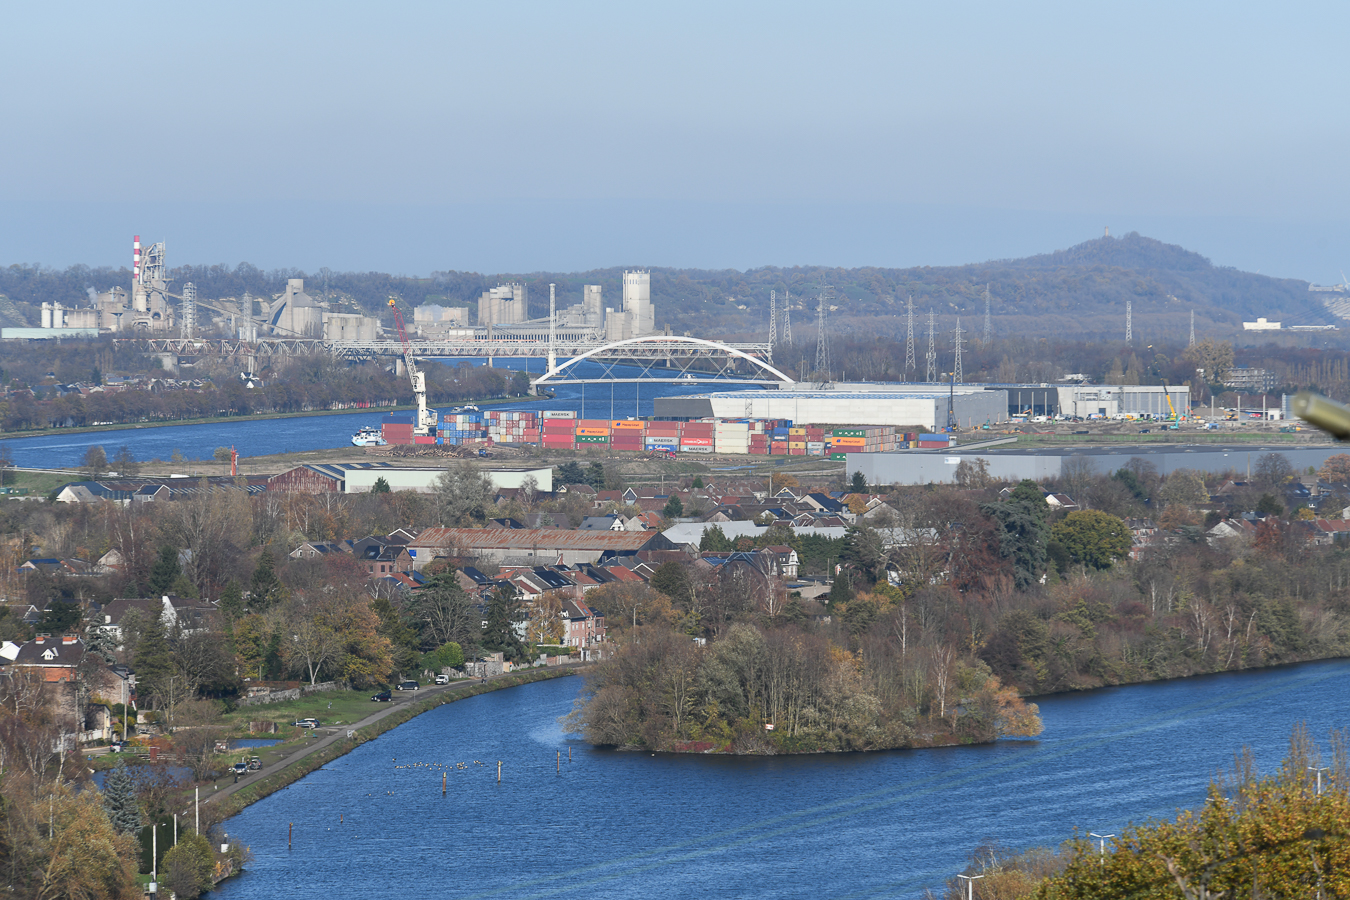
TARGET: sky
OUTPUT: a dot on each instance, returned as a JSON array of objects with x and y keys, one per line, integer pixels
[{"x": 519, "y": 137}]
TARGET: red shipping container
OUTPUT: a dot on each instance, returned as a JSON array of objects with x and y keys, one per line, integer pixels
[
  {"x": 797, "y": 451},
  {"x": 695, "y": 442},
  {"x": 424, "y": 440}
]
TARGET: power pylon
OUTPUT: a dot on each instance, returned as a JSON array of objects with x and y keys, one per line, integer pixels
[
  {"x": 1192, "y": 343},
  {"x": 909, "y": 336},
  {"x": 988, "y": 319},
  {"x": 957, "y": 375},
  {"x": 787, "y": 317},
  {"x": 930, "y": 373},
  {"x": 773, "y": 318},
  {"x": 822, "y": 344},
  {"x": 1129, "y": 321}
]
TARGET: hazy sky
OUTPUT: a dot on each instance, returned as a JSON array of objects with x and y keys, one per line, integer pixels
[{"x": 509, "y": 136}]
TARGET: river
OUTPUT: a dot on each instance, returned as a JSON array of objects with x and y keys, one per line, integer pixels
[
  {"x": 263, "y": 437},
  {"x": 622, "y": 825}
]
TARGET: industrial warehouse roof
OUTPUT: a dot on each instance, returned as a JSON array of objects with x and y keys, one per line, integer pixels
[
  {"x": 926, "y": 393},
  {"x": 533, "y": 538}
]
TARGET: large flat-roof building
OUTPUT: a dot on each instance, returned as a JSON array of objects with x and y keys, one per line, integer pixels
[
  {"x": 359, "y": 478},
  {"x": 914, "y": 406},
  {"x": 938, "y": 467}
]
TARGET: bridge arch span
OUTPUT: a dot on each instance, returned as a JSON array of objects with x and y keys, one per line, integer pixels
[{"x": 676, "y": 344}]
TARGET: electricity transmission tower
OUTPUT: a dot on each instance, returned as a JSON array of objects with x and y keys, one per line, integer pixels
[
  {"x": 988, "y": 319},
  {"x": 822, "y": 345},
  {"x": 1192, "y": 343},
  {"x": 957, "y": 374},
  {"x": 930, "y": 373},
  {"x": 787, "y": 317},
  {"x": 909, "y": 336},
  {"x": 1129, "y": 321},
  {"x": 773, "y": 319}
]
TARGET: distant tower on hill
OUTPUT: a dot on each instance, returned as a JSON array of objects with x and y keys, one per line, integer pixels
[
  {"x": 930, "y": 371},
  {"x": 822, "y": 342},
  {"x": 773, "y": 319},
  {"x": 957, "y": 374},
  {"x": 787, "y": 317},
  {"x": 988, "y": 319},
  {"x": 1192, "y": 343},
  {"x": 1129, "y": 321}
]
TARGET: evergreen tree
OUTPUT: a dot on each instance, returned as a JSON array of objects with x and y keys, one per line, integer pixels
[
  {"x": 232, "y": 601},
  {"x": 264, "y": 586},
  {"x": 569, "y": 473},
  {"x": 673, "y": 508},
  {"x": 503, "y": 614},
  {"x": 380, "y": 486},
  {"x": 119, "y": 800},
  {"x": 595, "y": 476},
  {"x": 165, "y": 572},
  {"x": 154, "y": 659},
  {"x": 714, "y": 540},
  {"x": 859, "y": 484}
]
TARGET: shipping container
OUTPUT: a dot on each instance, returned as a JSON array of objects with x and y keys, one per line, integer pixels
[
  {"x": 592, "y": 439},
  {"x": 559, "y": 414}
]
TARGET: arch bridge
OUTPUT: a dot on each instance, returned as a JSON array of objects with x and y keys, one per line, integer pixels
[{"x": 673, "y": 360}]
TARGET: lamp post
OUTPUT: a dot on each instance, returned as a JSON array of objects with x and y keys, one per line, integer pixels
[
  {"x": 970, "y": 885},
  {"x": 1319, "y": 770},
  {"x": 1102, "y": 838}
]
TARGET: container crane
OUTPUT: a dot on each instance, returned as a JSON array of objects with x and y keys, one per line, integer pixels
[{"x": 426, "y": 419}]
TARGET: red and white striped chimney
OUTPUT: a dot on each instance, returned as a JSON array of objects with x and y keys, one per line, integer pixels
[{"x": 136, "y": 259}]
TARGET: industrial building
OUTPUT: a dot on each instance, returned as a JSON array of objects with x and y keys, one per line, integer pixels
[
  {"x": 918, "y": 406},
  {"x": 1109, "y": 400},
  {"x": 359, "y": 478},
  {"x": 938, "y": 467},
  {"x": 506, "y": 304}
]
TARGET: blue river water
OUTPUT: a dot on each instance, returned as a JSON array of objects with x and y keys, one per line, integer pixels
[
  {"x": 621, "y": 825},
  {"x": 262, "y": 437}
]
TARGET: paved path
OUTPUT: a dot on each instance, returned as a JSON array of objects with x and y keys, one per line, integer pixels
[{"x": 335, "y": 734}]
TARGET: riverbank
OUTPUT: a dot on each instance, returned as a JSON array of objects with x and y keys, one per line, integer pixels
[{"x": 235, "y": 798}]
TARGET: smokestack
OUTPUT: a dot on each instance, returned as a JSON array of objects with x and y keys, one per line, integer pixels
[{"x": 136, "y": 259}]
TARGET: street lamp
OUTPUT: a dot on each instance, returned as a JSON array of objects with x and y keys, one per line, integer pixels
[
  {"x": 970, "y": 885},
  {"x": 1319, "y": 770},
  {"x": 1102, "y": 838}
]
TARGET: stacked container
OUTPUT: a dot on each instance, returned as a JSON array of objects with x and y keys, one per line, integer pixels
[
  {"x": 626, "y": 434},
  {"x": 697, "y": 437},
  {"x": 592, "y": 431},
  {"x": 398, "y": 429},
  {"x": 558, "y": 431},
  {"x": 731, "y": 437},
  {"x": 662, "y": 436}
]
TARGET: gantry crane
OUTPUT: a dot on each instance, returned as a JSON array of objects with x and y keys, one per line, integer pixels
[{"x": 426, "y": 418}]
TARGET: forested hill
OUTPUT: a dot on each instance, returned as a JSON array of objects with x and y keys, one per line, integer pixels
[{"x": 1078, "y": 292}]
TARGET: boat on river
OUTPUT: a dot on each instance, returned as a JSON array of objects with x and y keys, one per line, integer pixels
[{"x": 368, "y": 436}]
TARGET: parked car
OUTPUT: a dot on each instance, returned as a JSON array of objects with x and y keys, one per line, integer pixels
[
  {"x": 408, "y": 686},
  {"x": 309, "y": 722},
  {"x": 254, "y": 763},
  {"x": 382, "y": 697},
  {"x": 239, "y": 768},
  {"x": 442, "y": 679}
]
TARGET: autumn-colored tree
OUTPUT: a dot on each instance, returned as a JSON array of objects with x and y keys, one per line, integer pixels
[
  {"x": 1276, "y": 836},
  {"x": 1336, "y": 470}
]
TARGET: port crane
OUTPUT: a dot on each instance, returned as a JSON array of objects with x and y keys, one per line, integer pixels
[{"x": 426, "y": 419}]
